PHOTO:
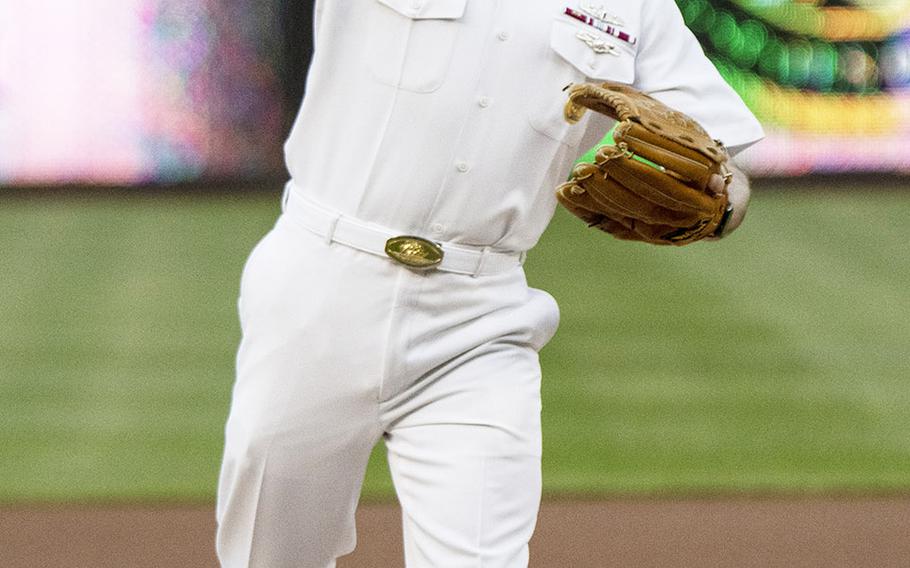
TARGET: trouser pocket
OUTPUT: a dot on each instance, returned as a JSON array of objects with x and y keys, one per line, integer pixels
[{"x": 546, "y": 317}]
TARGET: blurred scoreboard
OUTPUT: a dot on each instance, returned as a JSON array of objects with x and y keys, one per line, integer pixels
[
  {"x": 829, "y": 79},
  {"x": 132, "y": 91},
  {"x": 137, "y": 91}
]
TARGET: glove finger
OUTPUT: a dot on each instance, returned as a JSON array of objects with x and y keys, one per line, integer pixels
[
  {"x": 579, "y": 202},
  {"x": 622, "y": 231},
  {"x": 619, "y": 230},
  {"x": 588, "y": 195},
  {"x": 686, "y": 235},
  {"x": 593, "y": 191},
  {"x": 667, "y": 235},
  {"x": 659, "y": 187},
  {"x": 658, "y": 234},
  {"x": 618, "y": 201},
  {"x": 574, "y": 198},
  {"x": 655, "y": 233},
  {"x": 690, "y": 164}
]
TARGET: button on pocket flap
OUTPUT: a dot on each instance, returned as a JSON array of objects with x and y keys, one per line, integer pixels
[
  {"x": 428, "y": 9},
  {"x": 593, "y": 52}
]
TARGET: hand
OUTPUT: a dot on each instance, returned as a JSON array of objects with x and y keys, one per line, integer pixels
[{"x": 738, "y": 192}]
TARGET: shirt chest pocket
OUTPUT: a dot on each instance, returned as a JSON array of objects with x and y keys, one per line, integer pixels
[
  {"x": 410, "y": 42},
  {"x": 576, "y": 53}
]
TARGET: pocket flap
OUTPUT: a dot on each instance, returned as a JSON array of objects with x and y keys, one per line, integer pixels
[
  {"x": 594, "y": 53},
  {"x": 428, "y": 9}
]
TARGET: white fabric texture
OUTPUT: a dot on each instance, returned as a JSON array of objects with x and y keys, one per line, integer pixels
[
  {"x": 341, "y": 347},
  {"x": 440, "y": 119},
  {"x": 451, "y": 126}
]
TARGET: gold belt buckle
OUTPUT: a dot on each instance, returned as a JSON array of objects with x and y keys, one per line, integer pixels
[{"x": 415, "y": 252}]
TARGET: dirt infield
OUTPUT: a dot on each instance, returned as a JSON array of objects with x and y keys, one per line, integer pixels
[{"x": 830, "y": 533}]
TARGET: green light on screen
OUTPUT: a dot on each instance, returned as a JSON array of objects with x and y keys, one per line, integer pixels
[
  {"x": 823, "y": 66},
  {"x": 754, "y": 36},
  {"x": 800, "y": 63},
  {"x": 724, "y": 33},
  {"x": 704, "y": 17},
  {"x": 774, "y": 60}
]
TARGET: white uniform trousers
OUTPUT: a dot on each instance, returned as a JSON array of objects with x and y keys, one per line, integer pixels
[{"x": 341, "y": 347}]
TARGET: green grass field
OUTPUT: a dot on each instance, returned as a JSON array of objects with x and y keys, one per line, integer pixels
[{"x": 778, "y": 360}]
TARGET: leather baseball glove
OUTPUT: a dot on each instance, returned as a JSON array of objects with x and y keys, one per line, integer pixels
[{"x": 652, "y": 185}]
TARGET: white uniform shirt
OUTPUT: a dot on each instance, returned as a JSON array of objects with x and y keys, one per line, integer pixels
[{"x": 443, "y": 118}]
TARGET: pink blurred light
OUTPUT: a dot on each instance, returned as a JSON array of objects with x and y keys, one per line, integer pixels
[{"x": 69, "y": 91}]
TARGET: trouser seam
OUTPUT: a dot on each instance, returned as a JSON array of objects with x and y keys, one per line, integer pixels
[
  {"x": 480, "y": 507},
  {"x": 385, "y": 369}
]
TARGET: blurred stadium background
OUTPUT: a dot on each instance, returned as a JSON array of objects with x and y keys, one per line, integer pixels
[
  {"x": 160, "y": 91},
  {"x": 140, "y": 160}
]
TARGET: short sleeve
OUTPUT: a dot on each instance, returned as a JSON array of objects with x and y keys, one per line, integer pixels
[{"x": 672, "y": 67}]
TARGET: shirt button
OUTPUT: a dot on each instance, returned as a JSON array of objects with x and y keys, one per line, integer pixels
[
  {"x": 484, "y": 101},
  {"x": 437, "y": 228},
  {"x": 503, "y": 35},
  {"x": 462, "y": 166},
  {"x": 592, "y": 64}
]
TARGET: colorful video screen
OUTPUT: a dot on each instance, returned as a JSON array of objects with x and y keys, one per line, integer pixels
[
  {"x": 151, "y": 91},
  {"x": 139, "y": 91},
  {"x": 829, "y": 79}
]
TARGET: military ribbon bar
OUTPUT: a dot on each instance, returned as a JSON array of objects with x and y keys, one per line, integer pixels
[{"x": 599, "y": 25}]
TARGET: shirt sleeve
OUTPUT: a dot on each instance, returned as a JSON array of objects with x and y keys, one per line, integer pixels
[
  {"x": 317, "y": 18},
  {"x": 672, "y": 68}
]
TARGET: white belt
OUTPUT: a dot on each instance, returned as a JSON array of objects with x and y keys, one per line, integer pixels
[{"x": 334, "y": 227}]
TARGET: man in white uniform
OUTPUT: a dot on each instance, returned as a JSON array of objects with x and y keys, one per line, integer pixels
[{"x": 440, "y": 119}]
